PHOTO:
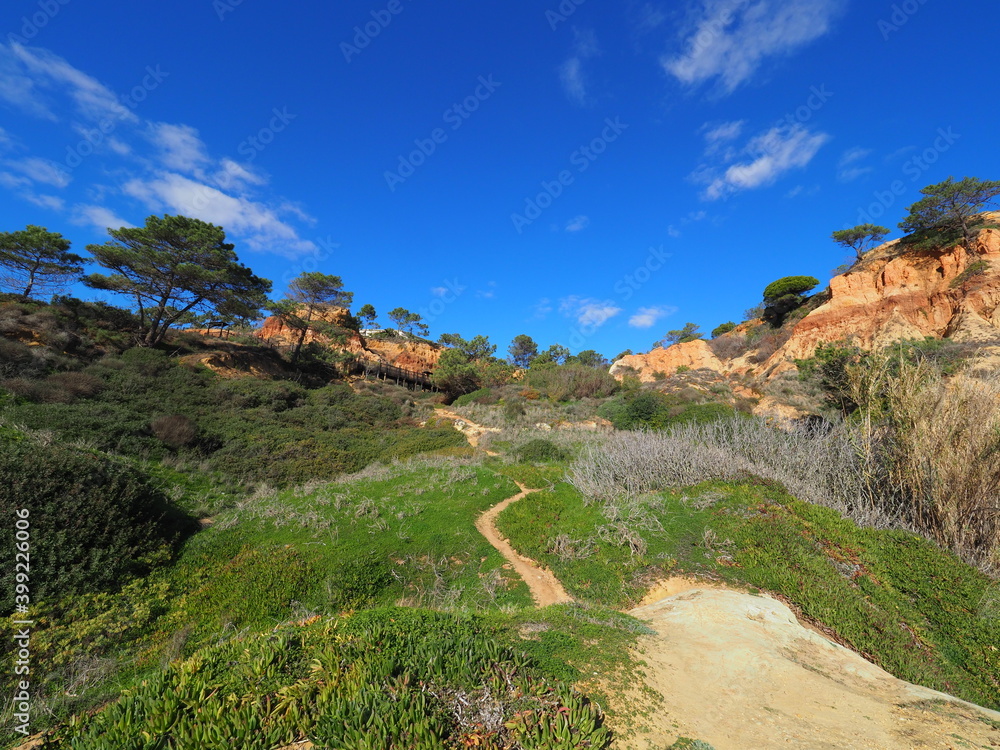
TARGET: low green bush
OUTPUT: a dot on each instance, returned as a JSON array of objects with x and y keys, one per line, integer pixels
[
  {"x": 93, "y": 521},
  {"x": 386, "y": 678},
  {"x": 657, "y": 411},
  {"x": 482, "y": 396},
  {"x": 541, "y": 450}
]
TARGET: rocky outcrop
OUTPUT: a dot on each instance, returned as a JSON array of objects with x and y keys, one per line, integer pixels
[
  {"x": 399, "y": 351},
  {"x": 894, "y": 296},
  {"x": 693, "y": 355},
  {"x": 896, "y": 293}
]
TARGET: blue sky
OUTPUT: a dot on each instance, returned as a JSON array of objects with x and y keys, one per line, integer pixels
[{"x": 589, "y": 173}]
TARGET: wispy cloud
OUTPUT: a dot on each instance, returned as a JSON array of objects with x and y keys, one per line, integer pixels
[
  {"x": 571, "y": 73},
  {"x": 41, "y": 170},
  {"x": 163, "y": 166},
  {"x": 578, "y": 224},
  {"x": 718, "y": 134},
  {"x": 179, "y": 147},
  {"x": 849, "y": 167},
  {"x": 542, "y": 309},
  {"x": 647, "y": 17},
  {"x": 764, "y": 159},
  {"x": 728, "y": 40},
  {"x": 588, "y": 312},
  {"x": 259, "y": 224},
  {"x": 98, "y": 217},
  {"x": 34, "y": 69},
  {"x": 647, "y": 317},
  {"x": 51, "y": 202}
]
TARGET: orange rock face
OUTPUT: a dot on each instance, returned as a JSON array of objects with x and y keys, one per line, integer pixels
[
  {"x": 890, "y": 296},
  {"x": 893, "y": 297},
  {"x": 694, "y": 355},
  {"x": 416, "y": 355}
]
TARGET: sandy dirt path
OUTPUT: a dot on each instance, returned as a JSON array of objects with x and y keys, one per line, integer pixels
[
  {"x": 473, "y": 432},
  {"x": 545, "y": 587},
  {"x": 739, "y": 671}
]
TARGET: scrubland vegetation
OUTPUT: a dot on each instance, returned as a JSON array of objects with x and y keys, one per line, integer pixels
[{"x": 264, "y": 560}]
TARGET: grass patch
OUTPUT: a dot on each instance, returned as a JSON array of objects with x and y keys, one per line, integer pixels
[
  {"x": 384, "y": 678},
  {"x": 892, "y": 596}
]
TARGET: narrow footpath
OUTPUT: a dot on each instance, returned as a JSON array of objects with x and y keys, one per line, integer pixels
[{"x": 545, "y": 587}]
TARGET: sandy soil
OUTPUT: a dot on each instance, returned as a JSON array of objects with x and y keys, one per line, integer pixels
[
  {"x": 472, "y": 431},
  {"x": 739, "y": 671}
]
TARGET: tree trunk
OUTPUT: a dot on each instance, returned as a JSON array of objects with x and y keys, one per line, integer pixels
[{"x": 302, "y": 338}]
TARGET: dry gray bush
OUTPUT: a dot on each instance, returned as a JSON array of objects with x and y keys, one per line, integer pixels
[
  {"x": 933, "y": 444},
  {"x": 923, "y": 454},
  {"x": 817, "y": 466}
]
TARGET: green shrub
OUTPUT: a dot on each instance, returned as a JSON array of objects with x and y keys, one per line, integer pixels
[
  {"x": 94, "y": 521},
  {"x": 482, "y": 396},
  {"x": 540, "y": 450},
  {"x": 572, "y": 382},
  {"x": 796, "y": 285},
  {"x": 354, "y": 683},
  {"x": 657, "y": 411},
  {"x": 723, "y": 329}
]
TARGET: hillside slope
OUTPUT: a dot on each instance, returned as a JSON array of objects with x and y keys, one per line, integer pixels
[{"x": 895, "y": 293}]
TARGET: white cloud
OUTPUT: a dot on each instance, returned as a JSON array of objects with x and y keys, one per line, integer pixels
[
  {"x": 578, "y": 224},
  {"x": 165, "y": 166},
  {"x": 98, "y": 217},
  {"x": 571, "y": 72},
  {"x": 719, "y": 134},
  {"x": 588, "y": 312},
  {"x": 571, "y": 75},
  {"x": 51, "y": 202},
  {"x": 673, "y": 231},
  {"x": 766, "y": 157},
  {"x": 180, "y": 147},
  {"x": 728, "y": 40},
  {"x": 13, "y": 181},
  {"x": 18, "y": 89},
  {"x": 93, "y": 99},
  {"x": 119, "y": 147},
  {"x": 259, "y": 224},
  {"x": 233, "y": 173},
  {"x": 848, "y": 169},
  {"x": 647, "y": 317},
  {"x": 542, "y": 309},
  {"x": 41, "y": 170},
  {"x": 439, "y": 291}
]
